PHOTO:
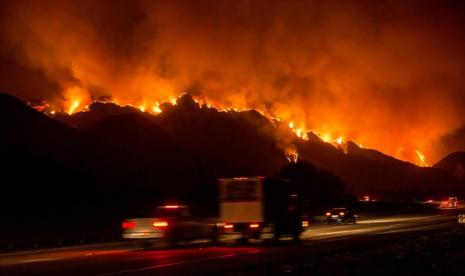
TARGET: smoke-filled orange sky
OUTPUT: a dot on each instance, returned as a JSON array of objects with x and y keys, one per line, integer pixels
[{"x": 389, "y": 75}]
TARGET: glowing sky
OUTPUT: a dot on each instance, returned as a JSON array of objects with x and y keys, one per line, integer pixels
[{"x": 387, "y": 74}]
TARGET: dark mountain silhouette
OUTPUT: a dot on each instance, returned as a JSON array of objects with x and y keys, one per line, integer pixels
[
  {"x": 50, "y": 170},
  {"x": 241, "y": 139},
  {"x": 244, "y": 143},
  {"x": 367, "y": 171},
  {"x": 354, "y": 150},
  {"x": 453, "y": 163},
  {"x": 136, "y": 134},
  {"x": 235, "y": 143}
]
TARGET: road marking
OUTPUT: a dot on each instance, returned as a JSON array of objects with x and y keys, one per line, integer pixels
[
  {"x": 415, "y": 228},
  {"x": 36, "y": 260},
  {"x": 399, "y": 219},
  {"x": 324, "y": 240}
]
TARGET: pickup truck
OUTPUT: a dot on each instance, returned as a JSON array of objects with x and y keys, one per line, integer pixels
[{"x": 173, "y": 224}]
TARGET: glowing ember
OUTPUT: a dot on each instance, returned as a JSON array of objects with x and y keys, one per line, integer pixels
[{"x": 340, "y": 140}]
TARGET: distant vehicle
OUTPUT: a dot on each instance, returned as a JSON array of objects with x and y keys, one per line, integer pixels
[
  {"x": 256, "y": 207},
  {"x": 172, "y": 223},
  {"x": 341, "y": 215},
  {"x": 451, "y": 203}
]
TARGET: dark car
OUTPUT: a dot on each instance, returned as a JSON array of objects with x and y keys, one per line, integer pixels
[{"x": 341, "y": 215}]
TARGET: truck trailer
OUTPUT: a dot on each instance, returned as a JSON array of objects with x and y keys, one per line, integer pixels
[{"x": 260, "y": 208}]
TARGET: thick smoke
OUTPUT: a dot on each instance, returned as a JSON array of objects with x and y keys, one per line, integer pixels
[{"x": 387, "y": 74}]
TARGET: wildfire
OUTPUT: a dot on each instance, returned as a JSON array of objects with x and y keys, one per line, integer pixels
[
  {"x": 291, "y": 155},
  {"x": 77, "y": 103},
  {"x": 76, "y": 97},
  {"x": 421, "y": 159},
  {"x": 300, "y": 132},
  {"x": 73, "y": 107},
  {"x": 325, "y": 137},
  {"x": 156, "y": 108}
]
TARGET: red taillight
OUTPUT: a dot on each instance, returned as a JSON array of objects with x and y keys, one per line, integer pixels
[
  {"x": 129, "y": 224},
  {"x": 254, "y": 225},
  {"x": 160, "y": 224},
  {"x": 228, "y": 226},
  {"x": 171, "y": 206}
]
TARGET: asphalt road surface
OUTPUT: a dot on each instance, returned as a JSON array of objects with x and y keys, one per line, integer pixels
[{"x": 200, "y": 258}]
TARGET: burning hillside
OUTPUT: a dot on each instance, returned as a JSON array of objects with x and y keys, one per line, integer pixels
[
  {"x": 389, "y": 76},
  {"x": 192, "y": 144},
  {"x": 282, "y": 136}
]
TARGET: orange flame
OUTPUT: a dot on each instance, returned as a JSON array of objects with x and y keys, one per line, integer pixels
[
  {"x": 156, "y": 108},
  {"x": 421, "y": 159},
  {"x": 76, "y": 100},
  {"x": 74, "y": 105},
  {"x": 291, "y": 155}
]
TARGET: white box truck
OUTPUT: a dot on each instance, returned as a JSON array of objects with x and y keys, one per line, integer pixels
[{"x": 258, "y": 207}]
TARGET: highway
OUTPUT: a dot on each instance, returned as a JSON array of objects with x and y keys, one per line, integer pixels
[{"x": 126, "y": 258}]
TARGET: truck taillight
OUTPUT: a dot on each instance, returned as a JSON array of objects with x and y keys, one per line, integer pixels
[
  {"x": 160, "y": 224},
  {"x": 254, "y": 225},
  {"x": 328, "y": 214},
  {"x": 128, "y": 224},
  {"x": 228, "y": 226},
  {"x": 341, "y": 214},
  {"x": 304, "y": 223}
]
